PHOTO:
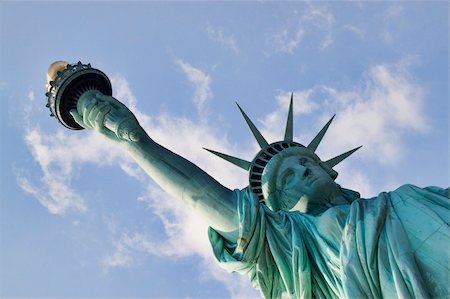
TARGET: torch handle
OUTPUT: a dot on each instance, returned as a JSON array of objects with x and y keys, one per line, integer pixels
[{"x": 123, "y": 126}]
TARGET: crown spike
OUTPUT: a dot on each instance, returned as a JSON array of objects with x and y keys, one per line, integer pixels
[
  {"x": 288, "y": 135},
  {"x": 236, "y": 161},
  {"x": 336, "y": 160},
  {"x": 259, "y": 138},
  {"x": 316, "y": 141}
]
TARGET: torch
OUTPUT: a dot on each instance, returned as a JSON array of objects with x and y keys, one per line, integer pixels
[{"x": 72, "y": 86}]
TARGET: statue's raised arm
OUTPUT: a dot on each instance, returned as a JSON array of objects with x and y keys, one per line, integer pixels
[
  {"x": 97, "y": 109},
  {"x": 173, "y": 173}
]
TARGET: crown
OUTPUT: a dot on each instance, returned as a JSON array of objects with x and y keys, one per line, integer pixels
[{"x": 268, "y": 151}]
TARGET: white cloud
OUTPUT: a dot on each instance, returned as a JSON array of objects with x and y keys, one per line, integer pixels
[
  {"x": 186, "y": 233},
  {"x": 288, "y": 40},
  {"x": 187, "y": 138},
  {"x": 355, "y": 179},
  {"x": 200, "y": 81},
  {"x": 304, "y": 104},
  {"x": 52, "y": 190},
  {"x": 377, "y": 113},
  {"x": 218, "y": 35},
  {"x": 53, "y": 194},
  {"x": 57, "y": 155}
]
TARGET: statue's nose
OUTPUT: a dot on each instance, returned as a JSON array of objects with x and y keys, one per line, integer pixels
[
  {"x": 306, "y": 172},
  {"x": 302, "y": 171}
]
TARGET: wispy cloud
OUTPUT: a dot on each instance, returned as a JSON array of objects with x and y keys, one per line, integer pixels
[
  {"x": 288, "y": 40},
  {"x": 393, "y": 11},
  {"x": 227, "y": 40},
  {"x": 392, "y": 22},
  {"x": 200, "y": 81},
  {"x": 313, "y": 20},
  {"x": 186, "y": 234},
  {"x": 355, "y": 30},
  {"x": 52, "y": 193},
  {"x": 121, "y": 257},
  {"x": 57, "y": 155},
  {"x": 321, "y": 18}
]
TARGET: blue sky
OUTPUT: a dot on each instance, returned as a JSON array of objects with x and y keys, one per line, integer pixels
[{"x": 80, "y": 219}]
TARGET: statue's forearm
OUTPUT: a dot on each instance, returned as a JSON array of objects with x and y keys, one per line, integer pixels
[{"x": 187, "y": 182}]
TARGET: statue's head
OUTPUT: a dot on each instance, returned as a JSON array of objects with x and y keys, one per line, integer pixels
[
  {"x": 287, "y": 174},
  {"x": 296, "y": 177}
]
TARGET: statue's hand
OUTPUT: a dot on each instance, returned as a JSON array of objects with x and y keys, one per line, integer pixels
[{"x": 108, "y": 116}]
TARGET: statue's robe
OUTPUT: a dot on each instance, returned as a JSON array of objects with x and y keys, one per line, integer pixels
[{"x": 396, "y": 245}]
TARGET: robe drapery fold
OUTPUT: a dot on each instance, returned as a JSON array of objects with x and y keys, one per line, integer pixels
[{"x": 395, "y": 245}]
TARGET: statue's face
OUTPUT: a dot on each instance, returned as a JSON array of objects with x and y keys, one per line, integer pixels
[{"x": 302, "y": 181}]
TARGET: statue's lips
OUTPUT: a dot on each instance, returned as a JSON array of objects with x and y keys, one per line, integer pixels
[
  {"x": 312, "y": 179},
  {"x": 309, "y": 177}
]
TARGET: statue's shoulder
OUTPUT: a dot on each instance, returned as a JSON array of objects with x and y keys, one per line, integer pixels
[
  {"x": 441, "y": 191},
  {"x": 244, "y": 194},
  {"x": 409, "y": 188}
]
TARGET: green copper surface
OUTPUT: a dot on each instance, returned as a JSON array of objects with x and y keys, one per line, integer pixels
[
  {"x": 236, "y": 161},
  {"x": 258, "y": 136},
  {"x": 313, "y": 238},
  {"x": 289, "y": 132},
  {"x": 336, "y": 160},
  {"x": 316, "y": 140}
]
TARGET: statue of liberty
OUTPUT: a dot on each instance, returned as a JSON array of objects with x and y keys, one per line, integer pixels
[{"x": 294, "y": 231}]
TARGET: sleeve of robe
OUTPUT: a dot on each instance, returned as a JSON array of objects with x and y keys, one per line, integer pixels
[{"x": 274, "y": 271}]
